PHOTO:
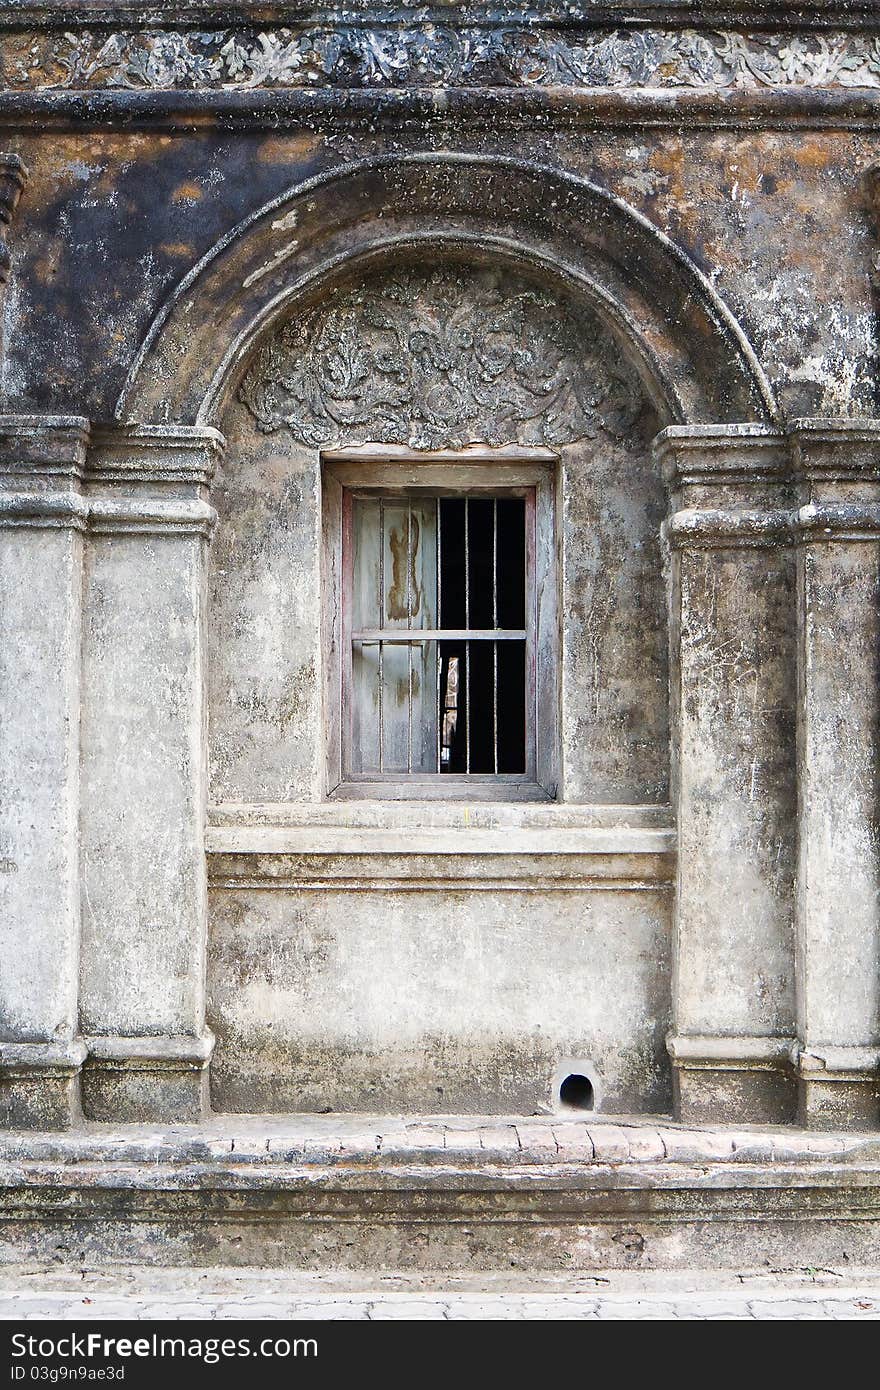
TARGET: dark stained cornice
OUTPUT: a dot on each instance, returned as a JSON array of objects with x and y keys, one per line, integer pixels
[
  {"x": 327, "y": 111},
  {"x": 752, "y": 14}
]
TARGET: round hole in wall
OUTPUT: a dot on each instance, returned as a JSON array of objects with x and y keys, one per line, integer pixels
[{"x": 577, "y": 1092}]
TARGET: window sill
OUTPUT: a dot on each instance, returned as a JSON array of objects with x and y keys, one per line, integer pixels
[
  {"x": 439, "y": 789},
  {"x": 440, "y": 845}
]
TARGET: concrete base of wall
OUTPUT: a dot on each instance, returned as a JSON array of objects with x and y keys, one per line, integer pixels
[{"x": 443, "y": 1193}]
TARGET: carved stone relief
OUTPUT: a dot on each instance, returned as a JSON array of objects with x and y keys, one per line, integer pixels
[
  {"x": 438, "y": 359},
  {"x": 12, "y": 181},
  {"x": 435, "y": 55}
]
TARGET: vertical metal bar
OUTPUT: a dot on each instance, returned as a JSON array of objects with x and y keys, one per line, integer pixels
[
  {"x": 438, "y": 623},
  {"x": 410, "y": 565},
  {"x": 467, "y": 564},
  {"x": 531, "y": 616},
  {"x": 495, "y": 625},
  {"x": 381, "y": 625},
  {"x": 467, "y": 645}
]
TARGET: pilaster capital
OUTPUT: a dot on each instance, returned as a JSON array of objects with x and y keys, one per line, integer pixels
[
  {"x": 42, "y": 458},
  {"x": 36, "y": 449},
  {"x": 835, "y": 451},
  {"x": 154, "y": 456},
  {"x": 745, "y": 485},
  {"x": 721, "y": 455}
]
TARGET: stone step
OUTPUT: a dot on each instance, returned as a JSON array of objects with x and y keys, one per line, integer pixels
[{"x": 441, "y": 1193}]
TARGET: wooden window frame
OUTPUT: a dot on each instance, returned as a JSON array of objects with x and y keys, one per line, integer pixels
[{"x": 495, "y": 472}]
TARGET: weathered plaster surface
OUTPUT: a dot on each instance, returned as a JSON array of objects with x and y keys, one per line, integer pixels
[
  {"x": 114, "y": 222},
  {"x": 436, "y": 1000}
]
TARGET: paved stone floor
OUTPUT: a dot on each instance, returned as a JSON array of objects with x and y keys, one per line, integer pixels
[{"x": 29, "y": 1292}]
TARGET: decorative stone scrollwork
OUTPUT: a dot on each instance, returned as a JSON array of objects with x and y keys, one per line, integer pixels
[
  {"x": 440, "y": 359},
  {"x": 435, "y": 55}
]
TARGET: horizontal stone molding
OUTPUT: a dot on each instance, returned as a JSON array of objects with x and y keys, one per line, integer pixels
[
  {"x": 362, "y": 1190},
  {"x": 708, "y": 1053},
  {"x": 44, "y": 510},
  {"x": 369, "y": 1147},
  {"x": 41, "y": 1059},
  {"x": 453, "y": 859},
  {"x": 714, "y": 528},
  {"x": 239, "y": 818},
  {"x": 818, "y": 15},
  {"x": 174, "y": 1053},
  {"x": 417, "y": 846},
  {"x": 602, "y": 109},
  {"x": 153, "y": 517},
  {"x": 837, "y": 1063},
  {"x": 840, "y": 521}
]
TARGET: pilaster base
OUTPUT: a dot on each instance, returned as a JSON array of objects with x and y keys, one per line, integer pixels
[
  {"x": 147, "y": 1080},
  {"x": 839, "y": 1088},
  {"x": 736, "y": 1081},
  {"x": 40, "y": 1085}
]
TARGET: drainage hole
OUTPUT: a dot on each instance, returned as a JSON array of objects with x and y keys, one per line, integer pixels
[{"x": 577, "y": 1091}]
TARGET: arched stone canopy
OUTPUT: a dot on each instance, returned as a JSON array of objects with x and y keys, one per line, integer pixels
[{"x": 694, "y": 360}]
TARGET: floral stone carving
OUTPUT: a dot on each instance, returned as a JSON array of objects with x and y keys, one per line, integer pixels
[
  {"x": 434, "y": 55},
  {"x": 439, "y": 359}
]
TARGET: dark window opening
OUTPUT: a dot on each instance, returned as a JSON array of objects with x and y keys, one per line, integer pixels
[{"x": 439, "y": 639}]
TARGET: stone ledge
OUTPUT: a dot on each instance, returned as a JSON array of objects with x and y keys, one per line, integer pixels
[
  {"x": 230, "y": 1143},
  {"x": 440, "y": 1193},
  {"x": 47, "y": 1058}
]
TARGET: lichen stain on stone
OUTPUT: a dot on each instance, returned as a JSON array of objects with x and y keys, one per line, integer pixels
[{"x": 187, "y": 192}]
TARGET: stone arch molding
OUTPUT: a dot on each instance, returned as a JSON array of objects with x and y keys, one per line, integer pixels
[{"x": 694, "y": 360}]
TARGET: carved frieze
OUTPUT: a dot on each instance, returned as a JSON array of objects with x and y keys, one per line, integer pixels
[
  {"x": 438, "y": 359},
  {"x": 434, "y": 55}
]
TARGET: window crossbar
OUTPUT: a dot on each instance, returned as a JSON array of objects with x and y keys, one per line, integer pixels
[{"x": 371, "y": 637}]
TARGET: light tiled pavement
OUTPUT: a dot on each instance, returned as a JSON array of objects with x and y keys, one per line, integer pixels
[{"x": 31, "y": 1293}]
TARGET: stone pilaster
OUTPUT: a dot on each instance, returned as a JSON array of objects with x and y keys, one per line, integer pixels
[
  {"x": 838, "y": 898},
  {"x": 42, "y": 521},
  {"x": 144, "y": 889},
  {"x": 733, "y": 684}
]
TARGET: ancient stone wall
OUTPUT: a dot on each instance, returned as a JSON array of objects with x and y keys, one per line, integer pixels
[{"x": 634, "y": 243}]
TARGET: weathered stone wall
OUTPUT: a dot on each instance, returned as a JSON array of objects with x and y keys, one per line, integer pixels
[
  {"x": 678, "y": 200},
  {"x": 114, "y": 222}
]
